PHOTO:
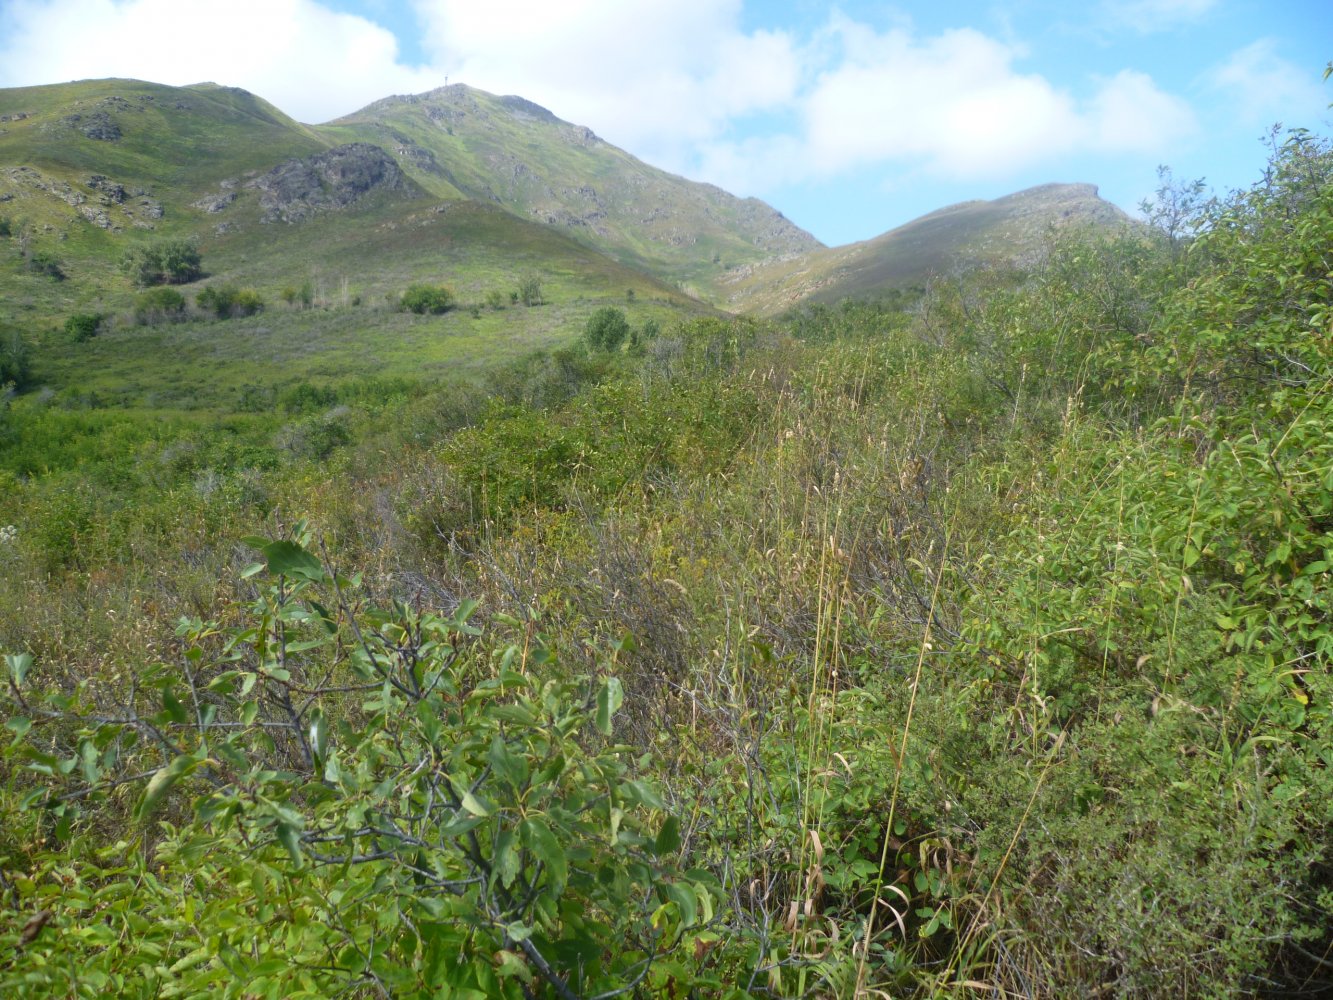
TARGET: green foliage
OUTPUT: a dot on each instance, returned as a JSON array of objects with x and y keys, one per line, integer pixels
[
  {"x": 530, "y": 290},
  {"x": 6, "y": 227},
  {"x": 304, "y": 296},
  {"x": 229, "y": 302},
  {"x": 606, "y": 329},
  {"x": 164, "y": 262},
  {"x": 83, "y": 326},
  {"x": 453, "y": 823},
  {"x": 426, "y": 299},
  {"x": 159, "y": 305},
  {"x": 495, "y": 299},
  {"x": 15, "y": 358}
]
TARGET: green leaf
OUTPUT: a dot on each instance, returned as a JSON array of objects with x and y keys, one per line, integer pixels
[
  {"x": 19, "y": 664},
  {"x": 546, "y": 849},
  {"x": 289, "y": 559},
  {"x": 161, "y": 783},
  {"x": 686, "y": 903},
  {"x": 609, "y": 700},
  {"x": 473, "y": 804},
  {"x": 319, "y": 735},
  {"x": 668, "y": 838},
  {"x": 290, "y": 838},
  {"x": 172, "y": 706}
]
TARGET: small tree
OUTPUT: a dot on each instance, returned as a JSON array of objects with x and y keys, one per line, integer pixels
[
  {"x": 607, "y": 329},
  {"x": 166, "y": 262}
]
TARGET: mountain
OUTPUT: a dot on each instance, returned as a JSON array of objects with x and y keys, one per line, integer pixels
[
  {"x": 91, "y": 164},
  {"x": 1006, "y": 229},
  {"x": 512, "y": 152}
]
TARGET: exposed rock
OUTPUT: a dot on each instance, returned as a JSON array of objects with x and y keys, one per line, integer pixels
[
  {"x": 97, "y": 216},
  {"x": 111, "y": 191},
  {"x": 214, "y": 203},
  {"x": 298, "y": 189},
  {"x": 100, "y": 126}
]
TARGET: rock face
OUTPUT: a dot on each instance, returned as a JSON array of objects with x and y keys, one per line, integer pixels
[{"x": 298, "y": 189}]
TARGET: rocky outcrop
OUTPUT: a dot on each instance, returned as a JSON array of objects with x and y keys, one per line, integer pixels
[{"x": 336, "y": 178}]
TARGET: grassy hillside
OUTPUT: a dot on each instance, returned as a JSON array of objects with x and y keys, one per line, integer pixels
[
  {"x": 1007, "y": 230},
  {"x": 519, "y": 155}
]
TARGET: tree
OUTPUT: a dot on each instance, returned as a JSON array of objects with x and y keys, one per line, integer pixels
[
  {"x": 607, "y": 329},
  {"x": 166, "y": 262}
]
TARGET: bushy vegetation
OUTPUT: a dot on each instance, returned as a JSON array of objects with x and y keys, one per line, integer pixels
[
  {"x": 84, "y": 326},
  {"x": 606, "y": 329},
  {"x": 159, "y": 305},
  {"x": 426, "y": 299},
  {"x": 975, "y": 644},
  {"x": 229, "y": 302},
  {"x": 164, "y": 262}
]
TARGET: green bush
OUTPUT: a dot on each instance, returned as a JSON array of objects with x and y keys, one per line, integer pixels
[
  {"x": 165, "y": 262},
  {"x": 303, "y": 296},
  {"x": 159, "y": 305},
  {"x": 6, "y": 227},
  {"x": 530, "y": 290},
  {"x": 606, "y": 329},
  {"x": 83, "y": 326},
  {"x": 426, "y": 299},
  {"x": 228, "y": 301}
]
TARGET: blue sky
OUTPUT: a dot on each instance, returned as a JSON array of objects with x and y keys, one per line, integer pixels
[{"x": 849, "y": 118}]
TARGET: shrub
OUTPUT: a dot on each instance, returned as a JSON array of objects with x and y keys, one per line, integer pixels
[
  {"x": 46, "y": 264},
  {"x": 83, "y": 326},
  {"x": 166, "y": 262},
  {"x": 495, "y": 299},
  {"x": 6, "y": 227},
  {"x": 423, "y": 299},
  {"x": 607, "y": 329},
  {"x": 303, "y": 296},
  {"x": 530, "y": 290},
  {"x": 159, "y": 305},
  {"x": 228, "y": 301}
]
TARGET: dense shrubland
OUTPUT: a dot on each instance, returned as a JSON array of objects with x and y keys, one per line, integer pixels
[{"x": 975, "y": 645}]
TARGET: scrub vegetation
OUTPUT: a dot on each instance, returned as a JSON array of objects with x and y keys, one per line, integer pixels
[{"x": 973, "y": 641}]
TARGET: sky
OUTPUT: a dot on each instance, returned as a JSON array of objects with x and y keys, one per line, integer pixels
[{"x": 849, "y": 118}]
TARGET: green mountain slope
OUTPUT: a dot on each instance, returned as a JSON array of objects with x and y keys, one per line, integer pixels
[
  {"x": 1006, "y": 229},
  {"x": 514, "y": 153},
  {"x": 89, "y": 170}
]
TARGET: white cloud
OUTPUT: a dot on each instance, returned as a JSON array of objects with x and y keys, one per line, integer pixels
[
  {"x": 1129, "y": 114},
  {"x": 1149, "y": 16},
  {"x": 951, "y": 106},
  {"x": 311, "y": 62},
  {"x": 654, "y": 75},
  {"x": 1261, "y": 87}
]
